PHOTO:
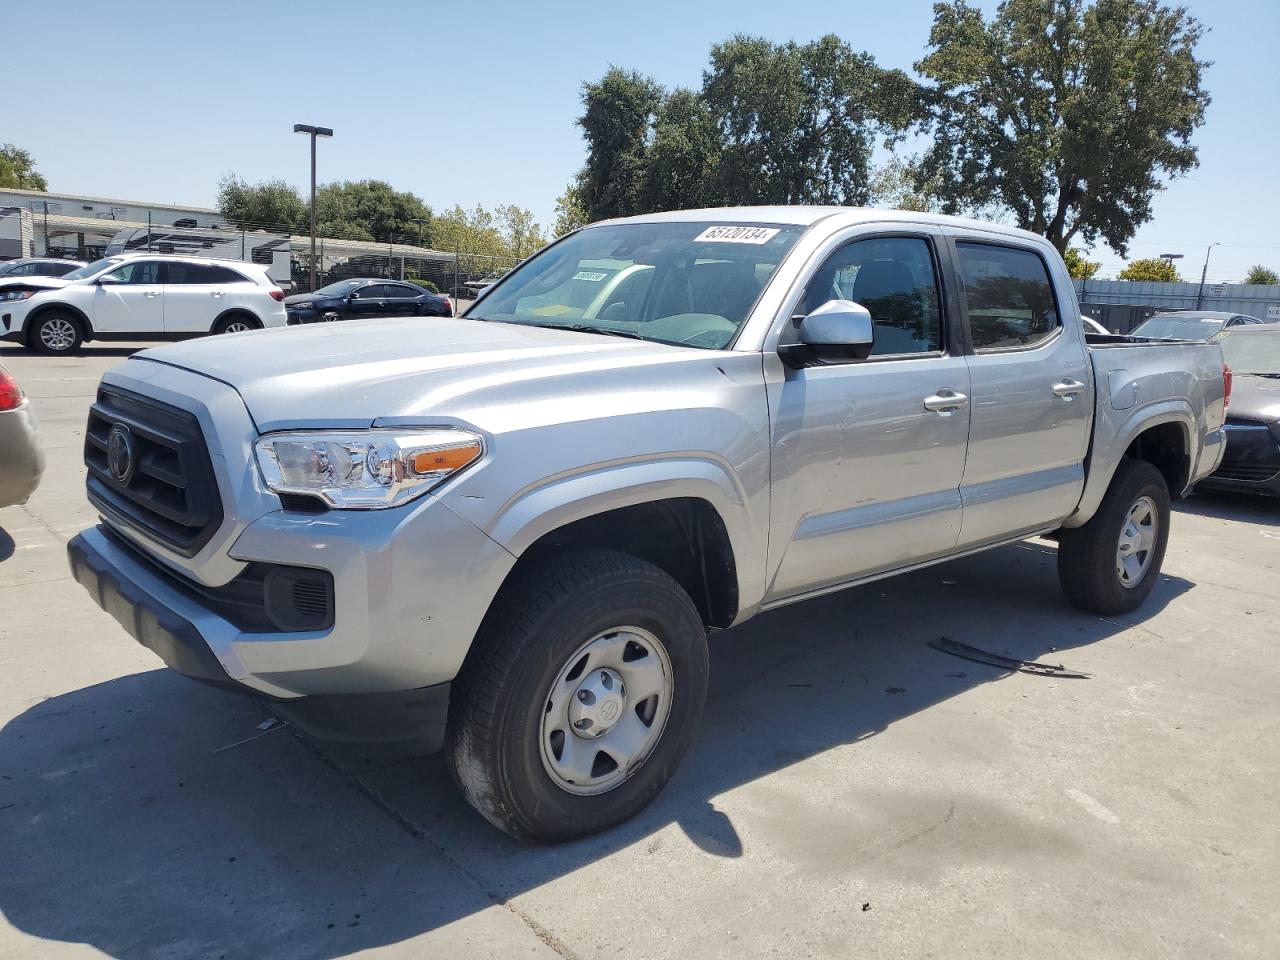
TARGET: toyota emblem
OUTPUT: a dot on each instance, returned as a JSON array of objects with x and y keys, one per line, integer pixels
[{"x": 120, "y": 456}]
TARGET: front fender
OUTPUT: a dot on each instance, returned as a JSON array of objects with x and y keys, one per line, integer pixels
[
  {"x": 1113, "y": 434},
  {"x": 551, "y": 504}
]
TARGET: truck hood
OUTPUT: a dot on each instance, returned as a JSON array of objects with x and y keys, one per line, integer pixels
[
  {"x": 412, "y": 370},
  {"x": 1255, "y": 398}
]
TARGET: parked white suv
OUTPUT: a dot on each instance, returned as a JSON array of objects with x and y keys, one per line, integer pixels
[{"x": 140, "y": 297}]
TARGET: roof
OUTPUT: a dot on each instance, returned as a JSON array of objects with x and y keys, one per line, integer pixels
[
  {"x": 1197, "y": 314},
  {"x": 188, "y": 258},
  {"x": 182, "y": 208},
  {"x": 804, "y": 215}
]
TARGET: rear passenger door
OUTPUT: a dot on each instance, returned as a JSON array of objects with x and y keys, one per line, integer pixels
[
  {"x": 193, "y": 297},
  {"x": 1031, "y": 383},
  {"x": 402, "y": 299}
]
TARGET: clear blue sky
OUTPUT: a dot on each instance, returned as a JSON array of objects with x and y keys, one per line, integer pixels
[{"x": 474, "y": 102}]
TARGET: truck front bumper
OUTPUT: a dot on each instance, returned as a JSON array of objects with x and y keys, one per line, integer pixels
[{"x": 156, "y": 610}]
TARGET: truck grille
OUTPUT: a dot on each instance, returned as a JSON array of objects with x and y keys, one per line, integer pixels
[{"x": 148, "y": 468}]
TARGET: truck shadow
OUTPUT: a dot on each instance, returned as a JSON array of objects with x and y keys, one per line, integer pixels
[{"x": 124, "y": 826}]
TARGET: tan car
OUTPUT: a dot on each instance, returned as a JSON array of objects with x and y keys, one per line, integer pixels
[{"x": 21, "y": 456}]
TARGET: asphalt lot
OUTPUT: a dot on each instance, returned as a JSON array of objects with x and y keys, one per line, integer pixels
[{"x": 852, "y": 792}]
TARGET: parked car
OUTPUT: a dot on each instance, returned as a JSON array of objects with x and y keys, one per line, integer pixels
[
  {"x": 141, "y": 297},
  {"x": 1251, "y": 463},
  {"x": 362, "y": 298},
  {"x": 21, "y": 456},
  {"x": 37, "y": 267},
  {"x": 1192, "y": 324},
  {"x": 1093, "y": 326},
  {"x": 510, "y": 533}
]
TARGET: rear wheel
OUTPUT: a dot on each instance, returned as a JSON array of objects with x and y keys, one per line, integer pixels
[
  {"x": 330, "y": 317},
  {"x": 1111, "y": 564},
  {"x": 237, "y": 323},
  {"x": 582, "y": 695},
  {"x": 55, "y": 332}
]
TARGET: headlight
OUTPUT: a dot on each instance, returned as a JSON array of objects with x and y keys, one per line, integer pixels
[
  {"x": 17, "y": 294},
  {"x": 364, "y": 469}
]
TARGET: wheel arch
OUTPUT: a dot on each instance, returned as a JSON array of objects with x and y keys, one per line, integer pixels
[
  {"x": 1161, "y": 437},
  {"x": 684, "y": 536},
  {"x": 232, "y": 312},
  {"x": 86, "y": 325}
]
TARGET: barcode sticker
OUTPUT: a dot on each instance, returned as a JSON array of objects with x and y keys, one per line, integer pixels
[{"x": 732, "y": 234}]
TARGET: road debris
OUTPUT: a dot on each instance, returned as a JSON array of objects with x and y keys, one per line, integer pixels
[
  {"x": 978, "y": 655},
  {"x": 266, "y": 727}
]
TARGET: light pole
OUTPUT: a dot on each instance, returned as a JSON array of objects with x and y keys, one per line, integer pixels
[
  {"x": 313, "y": 132},
  {"x": 1204, "y": 273},
  {"x": 1170, "y": 257}
]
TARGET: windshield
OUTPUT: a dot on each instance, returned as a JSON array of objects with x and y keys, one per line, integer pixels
[
  {"x": 1179, "y": 327},
  {"x": 1252, "y": 352},
  {"x": 88, "y": 270},
  {"x": 682, "y": 283},
  {"x": 7, "y": 267},
  {"x": 338, "y": 289}
]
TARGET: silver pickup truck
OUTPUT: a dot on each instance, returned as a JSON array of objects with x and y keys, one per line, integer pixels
[{"x": 511, "y": 533}]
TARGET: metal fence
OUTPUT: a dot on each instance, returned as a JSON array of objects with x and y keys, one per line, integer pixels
[{"x": 1125, "y": 303}]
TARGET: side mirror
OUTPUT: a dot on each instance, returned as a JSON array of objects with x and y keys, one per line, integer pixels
[
  {"x": 109, "y": 281},
  {"x": 353, "y": 296},
  {"x": 839, "y": 331}
]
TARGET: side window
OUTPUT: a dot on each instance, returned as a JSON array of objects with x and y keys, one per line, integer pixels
[
  {"x": 397, "y": 292},
  {"x": 894, "y": 278},
  {"x": 217, "y": 274},
  {"x": 137, "y": 272},
  {"x": 374, "y": 291},
  {"x": 1008, "y": 296}
]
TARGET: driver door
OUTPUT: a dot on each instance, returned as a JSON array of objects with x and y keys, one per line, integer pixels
[
  {"x": 130, "y": 299},
  {"x": 868, "y": 455}
]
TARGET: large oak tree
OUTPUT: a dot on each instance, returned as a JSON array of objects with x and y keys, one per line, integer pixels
[{"x": 1069, "y": 114}]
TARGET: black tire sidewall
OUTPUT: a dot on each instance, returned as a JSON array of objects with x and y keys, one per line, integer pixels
[
  {"x": 221, "y": 327},
  {"x": 1155, "y": 488},
  {"x": 540, "y": 808},
  {"x": 35, "y": 342}
]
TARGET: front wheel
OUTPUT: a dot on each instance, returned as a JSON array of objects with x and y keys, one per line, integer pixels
[
  {"x": 55, "y": 332},
  {"x": 582, "y": 695},
  {"x": 1111, "y": 564}
]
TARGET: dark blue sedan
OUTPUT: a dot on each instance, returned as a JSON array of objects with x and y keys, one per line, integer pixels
[{"x": 356, "y": 298}]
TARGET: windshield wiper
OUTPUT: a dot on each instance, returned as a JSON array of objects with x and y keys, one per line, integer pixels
[{"x": 589, "y": 328}]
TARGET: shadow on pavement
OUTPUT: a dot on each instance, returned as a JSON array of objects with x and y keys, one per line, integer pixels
[
  {"x": 120, "y": 827},
  {"x": 1228, "y": 505}
]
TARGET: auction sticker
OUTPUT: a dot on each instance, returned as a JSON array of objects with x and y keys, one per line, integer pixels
[{"x": 733, "y": 234}]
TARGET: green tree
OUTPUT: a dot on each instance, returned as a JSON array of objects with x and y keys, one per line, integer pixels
[
  {"x": 894, "y": 184},
  {"x": 681, "y": 162},
  {"x": 271, "y": 205},
  {"x": 521, "y": 234},
  {"x": 487, "y": 241},
  {"x": 371, "y": 210},
  {"x": 18, "y": 169},
  {"x": 1078, "y": 266},
  {"x": 1067, "y": 113},
  {"x": 796, "y": 121},
  {"x": 1263, "y": 275},
  {"x": 1152, "y": 269},
  {"x": 617, "y": 120},
  {"x": 571, "y": 208}
]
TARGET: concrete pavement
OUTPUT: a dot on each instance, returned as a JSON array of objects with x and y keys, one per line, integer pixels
[{"x": 853, "y": 791}]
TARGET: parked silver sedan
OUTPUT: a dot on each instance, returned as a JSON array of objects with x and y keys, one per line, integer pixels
[{"x": 21, "y": 456}]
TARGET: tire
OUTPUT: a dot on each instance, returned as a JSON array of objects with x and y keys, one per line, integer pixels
[
  {"x": 330, "y": 317},
  {"x": 55, "y": 332},
  {"x": 500, "y": 741},
  {"x": 236, "y": 323},
  {"x": 1090, "y": 557}
]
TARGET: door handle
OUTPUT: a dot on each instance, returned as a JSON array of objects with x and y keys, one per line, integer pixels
[
  {"x": 215, "y": 293},
  {"x": 151, "y": 294},
  {"x": 1067, "y": 388},
  {"x": 945, "y": 402}
]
